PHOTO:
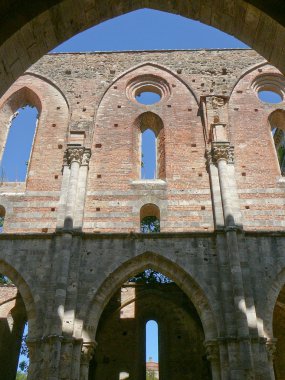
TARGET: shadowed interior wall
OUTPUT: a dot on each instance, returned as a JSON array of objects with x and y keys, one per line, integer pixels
[
  {"x": 121, "y": 335},
  {"x": 12, "y": 321}
]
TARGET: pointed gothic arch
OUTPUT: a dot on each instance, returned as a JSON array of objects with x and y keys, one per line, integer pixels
[{"x": 97, "y": 300}]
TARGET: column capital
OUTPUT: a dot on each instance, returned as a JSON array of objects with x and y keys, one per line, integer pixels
[
  {"x": 78, "y": 154},
  {"x": 86, "y": 157},
  {"x": 87, "y": 351},
  {"x": 212, "y": 350},
  {"x": 222, "y": 151}
]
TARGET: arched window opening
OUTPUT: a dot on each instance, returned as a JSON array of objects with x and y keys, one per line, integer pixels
[
  {"x": 14, "y": 356},
  {"x": 269, "y": 88},
  {"x": 152, "y": 352},
  {"x": 149, "y": 149},
  {"x": 17, "y": 150},
  {"x": 2, "y": 218},
  {"x": 277, "y": 124},
  {"x": 148, "y": 162},
  {"x": 149, "y": 219}
]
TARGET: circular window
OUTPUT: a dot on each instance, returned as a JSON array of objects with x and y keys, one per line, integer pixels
[
  {"x": 148, "y": 97},
  {"x": 147, "y": 89},
  {"x": 270, "y": 88},
  {"x": 270, "y": 97}
]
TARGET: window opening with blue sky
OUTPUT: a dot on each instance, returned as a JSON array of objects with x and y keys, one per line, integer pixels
[
  {"x": 152, "y": 350},
  {"x": 17, "y": 151},
  {"x": 148, "y": 159}
]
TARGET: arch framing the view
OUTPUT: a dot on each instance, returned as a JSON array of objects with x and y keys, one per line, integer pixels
[
  {"x": 35, "y": 32},
  {"x": 97, "y": 300},
  {"x": 272, "y": 295}
]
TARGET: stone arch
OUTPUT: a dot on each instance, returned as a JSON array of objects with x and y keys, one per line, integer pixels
[
  {"x": 274, "y": 322},
  {"x": 257, "y": 78},
  {"x": 271, "y": 298},
  {"x": 151, "y": 64},
  {"x": 258, "y": 70},
  {"x": 97, "y": 300},
  {"x": 245, "y": 72},
  {"x": 276, "y": 129},
  {"x": 31, "y": 90},
  {"x": 37, "y": 31},
  {"x": 25, "y": 292},
  {"x": 20, "y": 98}
]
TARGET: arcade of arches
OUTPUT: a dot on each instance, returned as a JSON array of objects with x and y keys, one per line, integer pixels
[{"x": 72, "y": 232}]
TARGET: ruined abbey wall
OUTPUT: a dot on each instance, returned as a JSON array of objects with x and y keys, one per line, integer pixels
[{"x": 72, "y": 231}]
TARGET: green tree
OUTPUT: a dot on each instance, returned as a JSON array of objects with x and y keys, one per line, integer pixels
[
  {"x": 21, "y": 376},
  {"x": 150, "y": 276},
  {"x": 4, "y": 280},
  {"x": 150, "y": 375},
  {"x": 24, "y": 364},
  {"x": 150, "y": 224}
]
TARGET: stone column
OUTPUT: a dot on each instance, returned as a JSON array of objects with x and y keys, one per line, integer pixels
[
  {"x": 63, "y": 193},
  {"x": 222, "y": 153},
  {"x": 81, "y": 189},
  {"x": 35, "y": 356},
  {"x": 213, "y": 355},
  {"x": 74, "y": 158},
  {"x": 271, "y": 348},
  {"x": 87, "y": 352}
]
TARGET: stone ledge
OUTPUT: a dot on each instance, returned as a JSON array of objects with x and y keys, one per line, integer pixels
[{"x": 149, "y": 184}]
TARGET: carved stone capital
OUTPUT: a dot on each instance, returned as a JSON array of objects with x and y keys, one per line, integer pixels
[
  {"x": 209, "y": 158},
  {"x": 78, "y": 154},
  {"x": 212, "y": 350},
  {"x": 86, "y": 157},
  {"x": 222, "y": 151},
  {"x": 271, "y": 348},
  {"x": 87, "y": 351}
]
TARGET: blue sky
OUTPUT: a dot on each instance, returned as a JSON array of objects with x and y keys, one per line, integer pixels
[
  {"x": 139, "y": 30},
  {"x": 149, "y": 30}
]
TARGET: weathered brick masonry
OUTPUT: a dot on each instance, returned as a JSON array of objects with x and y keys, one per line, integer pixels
[{"x": 72, "y": 230}]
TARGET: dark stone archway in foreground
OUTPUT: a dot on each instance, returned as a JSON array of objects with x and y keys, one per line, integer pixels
[{"x": 29, "y": 29}]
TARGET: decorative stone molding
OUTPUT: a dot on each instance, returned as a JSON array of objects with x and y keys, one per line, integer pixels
[
  {"x": 218, "y": 101},
  {"x": 52, "y": 338},
  {"x": 87, "y": 351},
  {"x": 76, "y": 154},
  {"x": 86, "y": 157},
  {"x": 212, "y": 350}
]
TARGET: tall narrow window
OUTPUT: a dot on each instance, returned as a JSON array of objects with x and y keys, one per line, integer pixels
[
  {"x": 152, "y": 357},
  {"x": 148, "y": 165},
  {"x": 277, "y": 123},
  {"x": 149, "y": 150},
  {"x": 16, "y": 156}
]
